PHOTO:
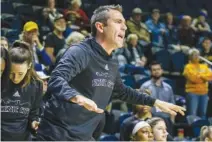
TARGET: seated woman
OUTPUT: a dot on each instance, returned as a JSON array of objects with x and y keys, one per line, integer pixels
[
  {"x": 133, "y": 52},
  {"x": 139, "y": 131},
  {"x": 21, "y": 99},
  {"x": 75, "y": 15},
  {"x": 140, "y": 112},
  {"x": 158, "y": 126}
]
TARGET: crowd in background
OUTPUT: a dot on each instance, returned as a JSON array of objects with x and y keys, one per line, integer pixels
[{"x": 161, "y": 56}]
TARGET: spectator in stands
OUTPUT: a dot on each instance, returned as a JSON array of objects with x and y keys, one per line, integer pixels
[
  {"x": 4, "y": 42},
  {"x": 158, "y": 128},
  {"x": 172, "y": 38},
  {"x": 20, "y": 102},
  {"x": 158, "y": 29},
  {"x": 75, "y": 15},
  {"x": 50, "y": 11},
  {"x": 73, "y": 38},
  {"x": 197, "y": 76},
  {"x": 133, "y": 52},
  {"x": 200, "y": 25},
  {"x": 186, "y": 34},
  {"x": 5, "y": 68},
  {"x": 30, "y": 35},
  {"x": 139, "y": 131},
  {"x": 206, "y": 133},
  {"x": 140, "y": 112},
  {"x": 206, "y": 51},
  {"x": 55, "y": 40},
  {"x": 136, "y": 26},
  {"x": 160, "y": 90},
  {"x": 44, "y": 78}
]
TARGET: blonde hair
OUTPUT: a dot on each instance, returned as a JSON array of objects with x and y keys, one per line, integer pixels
[
  {"x": 79, "y": 2},
  {"x": 74, "y": 37},
  {"x": 131, "y": 36},
  {"x": 192, "y": 51},
  {"x": 205, "y": 132}
]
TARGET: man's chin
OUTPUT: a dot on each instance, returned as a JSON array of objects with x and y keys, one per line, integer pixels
[{"x": 156, "y": 77}]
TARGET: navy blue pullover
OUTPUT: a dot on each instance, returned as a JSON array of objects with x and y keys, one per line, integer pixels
[
  {"x": 85, "y": 69},
  {"x": 19, "y": 108}
]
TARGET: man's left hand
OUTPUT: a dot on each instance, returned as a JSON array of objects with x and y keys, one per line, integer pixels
[{"x": 169, "y": 108}]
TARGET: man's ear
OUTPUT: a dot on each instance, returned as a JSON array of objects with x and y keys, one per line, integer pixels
[{"x": 99, "y": 27}]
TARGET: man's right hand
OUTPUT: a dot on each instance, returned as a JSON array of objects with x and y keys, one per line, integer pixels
[{"x": 87, "y": 103}]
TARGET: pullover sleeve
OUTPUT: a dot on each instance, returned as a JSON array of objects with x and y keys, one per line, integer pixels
[
  {"x": 74, "y": 61},
  {"x": 129, "y": 95}
]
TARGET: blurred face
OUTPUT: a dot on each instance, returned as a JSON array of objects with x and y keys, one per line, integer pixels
[
  {"x": 187, "y": 22},
  {"x": 114, "y": 31},
  {"x": 159, "y": 131},
  {"x": 18, "y": 72},
  {"x": 4, "y": 44},
  {"x": 202, "y": 19},
  {"x": 30, "y": 35},
  {"x": 170, "y": 19},
  {"x": 143, "y": 134},
  {"x": 156, "y": 16},
  {"x": 206, "y": 45},
  {"x": 134, "y": 42},
  {"x": 137, "y": 17},
  {"x": 60, "y": 25},
  {"x": 45, "y": 84},
  {"x": 143, "y": 109},
  {"x": 156, "y": 71},
  {"x": 51, "y": 3},
  {"x": 2, "y": 65},
  {"x": 75, "y": 6},
  {"x": 195, "y": 57}
]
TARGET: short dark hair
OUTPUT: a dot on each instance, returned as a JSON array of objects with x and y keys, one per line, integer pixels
[
  {"x": 101, "y": 15},
  {"x": 153, "y": 64},
  {"x": 206, "y": 38}
]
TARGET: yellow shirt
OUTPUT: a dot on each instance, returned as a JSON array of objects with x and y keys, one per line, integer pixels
[{"x": 197, "y": 77}]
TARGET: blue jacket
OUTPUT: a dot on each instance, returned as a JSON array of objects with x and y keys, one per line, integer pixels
[
  {"x": 157, "y": 37},
  {"x": 43, "y": 59}
]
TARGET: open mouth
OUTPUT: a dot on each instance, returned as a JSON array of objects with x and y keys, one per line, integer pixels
[{"x": 121, "y": 36}]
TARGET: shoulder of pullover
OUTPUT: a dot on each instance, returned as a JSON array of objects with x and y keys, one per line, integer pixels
[{"x": 78, "y": 52}]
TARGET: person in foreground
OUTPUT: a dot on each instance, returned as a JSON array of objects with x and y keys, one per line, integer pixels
[
  {"x": 82, "y": 84},
  {"x": 20, "y": 100}
]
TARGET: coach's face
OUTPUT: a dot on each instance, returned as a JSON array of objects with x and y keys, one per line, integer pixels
[{"x": 114, "y": 31}]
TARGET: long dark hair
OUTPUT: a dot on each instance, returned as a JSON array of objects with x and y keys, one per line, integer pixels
[
  {"x": 6, "y": 72},
  {"x": 21, "y": 53}
]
